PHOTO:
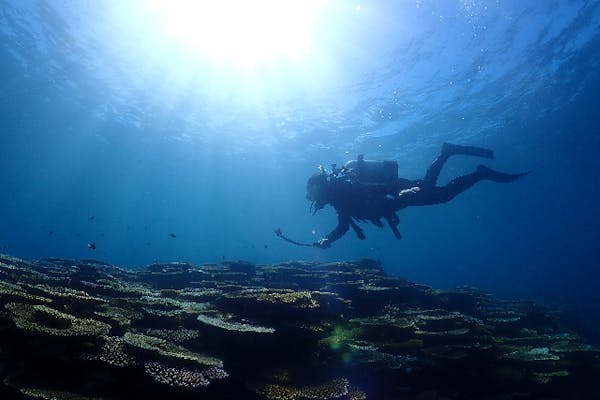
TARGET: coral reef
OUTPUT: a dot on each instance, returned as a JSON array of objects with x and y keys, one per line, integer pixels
[
  {"x": 84, "y": 329},
  {"x": 223, "y": 323},
  {"x": 53, "y": 395},
  {"x": 113, "y": 352},
  {"x": 336, "y": 389},
  {"x": 174, "y": 335},
  {"x": 167, "y": 349},
  {"x": 176, "y": 376},
  {"x": 46, "y": 320}
]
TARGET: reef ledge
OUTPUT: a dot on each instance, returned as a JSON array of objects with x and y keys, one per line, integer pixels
[{"x": 84, "y": 329}]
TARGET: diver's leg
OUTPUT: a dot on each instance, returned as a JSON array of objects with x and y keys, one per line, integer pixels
[
  {"x": 462, "y": 183},
  {"x": 449, "y": 149},
  {"x": 433, "y": 172},
  {"x": 497, "y": 176}
]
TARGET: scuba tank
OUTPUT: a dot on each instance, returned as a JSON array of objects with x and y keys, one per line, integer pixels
[{"x": 371, "y": 172}]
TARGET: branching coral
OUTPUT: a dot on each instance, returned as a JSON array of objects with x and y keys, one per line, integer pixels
[
  {"x": 54, "y": 395},
  {"x": 183, "y": 377},
  {"x": 332, "y": 390},
  {"x": 174, "y": 335},
  {"x": 215, "y": 373},
  {"x": 176, "y": 376},
  {"x": 113, "y": 352},
  {"x": 336, "y": 389}
]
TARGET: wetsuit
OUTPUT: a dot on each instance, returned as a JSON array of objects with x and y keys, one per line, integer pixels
[{"x": 363, "y": 202}]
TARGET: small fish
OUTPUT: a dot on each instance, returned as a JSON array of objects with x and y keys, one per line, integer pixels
[
  {"x": 92, "y": 217},
  {"x": 172, "y": 235},
  {"x": 92, "y": 246}
]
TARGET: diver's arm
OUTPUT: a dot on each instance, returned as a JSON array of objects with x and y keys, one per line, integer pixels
[
  {"x": 406, "y": 197},
  {"x": 339, "y": 231},
  {"x": 393, "y": 221}
]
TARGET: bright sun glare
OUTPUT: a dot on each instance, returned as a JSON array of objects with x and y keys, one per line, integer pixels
[{"x": 243, "y": 32}]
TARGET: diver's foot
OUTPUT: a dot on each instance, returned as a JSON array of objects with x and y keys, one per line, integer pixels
[
  {"x": 497, "y": 176},
  {"x": 449, "y": 149}
]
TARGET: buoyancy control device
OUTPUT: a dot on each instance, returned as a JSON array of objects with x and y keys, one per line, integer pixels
[{"x": 372, "y": 172}]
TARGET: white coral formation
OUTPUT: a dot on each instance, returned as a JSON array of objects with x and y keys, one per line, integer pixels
[
  {"x": 532, "y": 354},
  {"x": 233, "y": 326},
  {"x": 66, "y": 293}
]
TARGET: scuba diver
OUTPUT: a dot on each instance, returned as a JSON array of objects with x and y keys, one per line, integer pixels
[{"x": 365, "y": 190}]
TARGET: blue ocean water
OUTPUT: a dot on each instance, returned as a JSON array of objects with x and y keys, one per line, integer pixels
[{"x": 115, "y": 135}]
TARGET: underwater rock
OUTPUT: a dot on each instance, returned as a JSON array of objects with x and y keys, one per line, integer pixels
[
  {"x": 240, "y": 266},
  {"x": 84, "y": 329}
]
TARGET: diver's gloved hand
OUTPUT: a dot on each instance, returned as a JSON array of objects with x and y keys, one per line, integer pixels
[
  {"x": 409, "y": 191},
  {"x": 323, "y": 243}
]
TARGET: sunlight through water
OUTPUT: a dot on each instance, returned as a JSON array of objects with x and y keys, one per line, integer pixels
[
  {"x": 244, "y": 33},
  {"x": 247, "y": 53}
]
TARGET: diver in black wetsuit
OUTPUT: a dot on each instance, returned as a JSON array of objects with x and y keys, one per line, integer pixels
[{"x": 371, "y": 190}]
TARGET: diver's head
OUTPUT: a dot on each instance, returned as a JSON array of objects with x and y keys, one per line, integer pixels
[{"x": 317, "y": 189}]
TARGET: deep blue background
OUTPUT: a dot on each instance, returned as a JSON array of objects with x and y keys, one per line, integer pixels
[{"x": 93, "y": 124}]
